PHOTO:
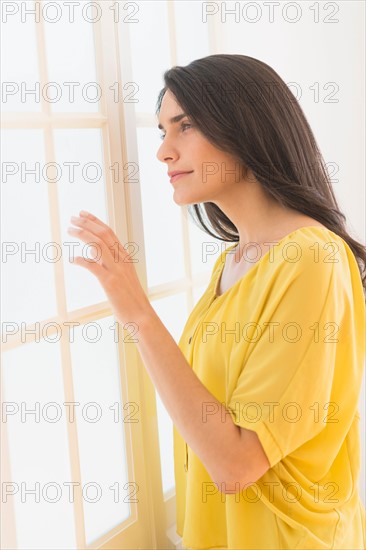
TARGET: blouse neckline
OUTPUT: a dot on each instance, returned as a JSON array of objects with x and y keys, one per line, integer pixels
[{"x": 219, "y": 274}]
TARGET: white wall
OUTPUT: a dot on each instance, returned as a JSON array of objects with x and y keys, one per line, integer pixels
[{"x": 308, "y": 52}]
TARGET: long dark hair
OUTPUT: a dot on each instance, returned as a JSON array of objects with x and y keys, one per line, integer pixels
[{"x": 243, "y": 107}]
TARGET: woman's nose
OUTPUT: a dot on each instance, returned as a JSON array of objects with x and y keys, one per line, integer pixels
[{"x": 166, "y": 151}]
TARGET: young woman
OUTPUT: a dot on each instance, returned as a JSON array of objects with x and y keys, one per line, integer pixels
[{"x": 263, "y": 386}]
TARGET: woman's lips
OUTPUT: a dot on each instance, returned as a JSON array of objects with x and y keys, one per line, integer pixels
[{"x": 174, "y": 178}]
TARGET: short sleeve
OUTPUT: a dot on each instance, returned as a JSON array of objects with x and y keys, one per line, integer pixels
[{"x": 287, "y": 377}]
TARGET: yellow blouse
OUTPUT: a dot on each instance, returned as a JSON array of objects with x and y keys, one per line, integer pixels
[{"x": 284, "y": 350}]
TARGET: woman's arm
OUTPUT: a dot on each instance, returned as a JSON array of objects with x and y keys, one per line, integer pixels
[
  {"x": 205, "y": 424},
  {"x": 231, "y": 454}
]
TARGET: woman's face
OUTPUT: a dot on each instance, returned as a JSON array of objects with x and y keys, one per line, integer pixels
[{"x": 184, "y": 148}]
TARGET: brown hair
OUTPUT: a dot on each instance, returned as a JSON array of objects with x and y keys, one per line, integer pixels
[{"x": 243, "y": 107}]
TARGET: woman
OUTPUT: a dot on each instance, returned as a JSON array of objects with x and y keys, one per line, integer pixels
[{"x": 264, "y": 383}]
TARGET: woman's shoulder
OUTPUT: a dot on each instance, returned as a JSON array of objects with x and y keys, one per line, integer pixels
[
  {"x": 310, "y": 261},
  {"x": 316, "y": 262},
  {"x": 314, "y": 245}
]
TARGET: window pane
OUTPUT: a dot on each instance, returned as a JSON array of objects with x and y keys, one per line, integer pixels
[
  {"x": 28, "y": 277},
  {"x": 74, "y": 63},
  {"x": 81, "y": 186},
  {"x": 38, "y": 446},
  {"x": 19, "y": 62},
  {"x": 148, "y": 63},
  {"x": 162, "y": 217},
  {"x": 101, "y": 421},
  {"x": 189, "y": 22},
  {"x": 198, "y": 292},
  {"x": 172, "y": 312},
  {"x": 165, "y": 426}
]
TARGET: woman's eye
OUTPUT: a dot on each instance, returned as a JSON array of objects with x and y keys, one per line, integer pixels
[
  {"x": 183, "y": 126},
  {"x": 186, "y": 126}
]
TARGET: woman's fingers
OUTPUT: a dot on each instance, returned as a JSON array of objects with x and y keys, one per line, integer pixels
[
  {"x": 112, "y": 266},
  {"x": 104, "y": 253},
  {"x": 104, "y": 233},
  {"x": 98, "y": 228},
  {"x": 100, "y": 235},
  {"x": 88, "y": 216},
  {"x": 94, "y": 267}
]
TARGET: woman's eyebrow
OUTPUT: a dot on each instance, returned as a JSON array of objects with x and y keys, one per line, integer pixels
[{"x": 174, "y": 119}]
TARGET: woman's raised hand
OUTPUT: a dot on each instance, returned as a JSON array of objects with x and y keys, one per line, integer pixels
[{"x": 113, "y": 268}]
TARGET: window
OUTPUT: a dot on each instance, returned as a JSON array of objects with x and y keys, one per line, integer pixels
[{"x": 79, "y": 132}]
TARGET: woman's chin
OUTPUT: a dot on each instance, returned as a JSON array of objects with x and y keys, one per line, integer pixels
[
  {"x": 180, "y": 198},
  {"x": 184, "y": 199}
]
